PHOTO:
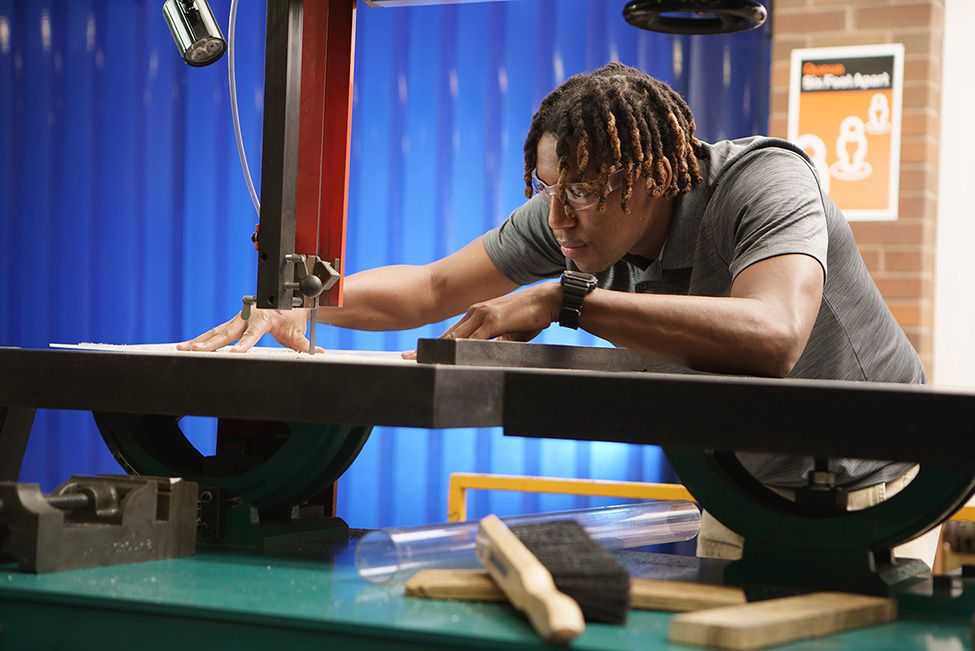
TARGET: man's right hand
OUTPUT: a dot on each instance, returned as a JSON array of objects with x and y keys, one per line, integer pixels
[
  {"x": 287, "y": 327},
  {"x": 388, "y": 298}
]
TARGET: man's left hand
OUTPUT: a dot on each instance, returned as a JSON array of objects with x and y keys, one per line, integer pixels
[{"x": 518, "y": 316}]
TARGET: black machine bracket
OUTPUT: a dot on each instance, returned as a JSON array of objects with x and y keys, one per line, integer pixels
[
  {"x": 97, "y": 521},
  {"x": 312, "y": 277}
]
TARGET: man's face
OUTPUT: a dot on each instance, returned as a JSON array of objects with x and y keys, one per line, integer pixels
[{"x": 595, "y": 240}]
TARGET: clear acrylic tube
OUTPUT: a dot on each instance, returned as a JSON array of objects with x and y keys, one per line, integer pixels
[{"x": 393, "y": 555}]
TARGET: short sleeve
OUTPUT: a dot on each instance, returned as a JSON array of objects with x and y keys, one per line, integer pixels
[
  {"x": 768, "y": 204},
  {"x": 523, "y": 247}
]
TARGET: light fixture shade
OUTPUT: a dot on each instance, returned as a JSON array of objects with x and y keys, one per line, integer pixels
[
  {"x": 195, "y": 31},
  {"x": 695, "y": 16}
]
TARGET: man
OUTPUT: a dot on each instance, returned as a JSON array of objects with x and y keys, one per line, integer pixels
[{"x": 723, "y": 258}]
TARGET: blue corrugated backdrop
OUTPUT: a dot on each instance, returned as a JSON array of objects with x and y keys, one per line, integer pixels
[{"x": 124, "y": 217}]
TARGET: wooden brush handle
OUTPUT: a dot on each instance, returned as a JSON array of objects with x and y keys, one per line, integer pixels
[{"x": 527, "y": 584}]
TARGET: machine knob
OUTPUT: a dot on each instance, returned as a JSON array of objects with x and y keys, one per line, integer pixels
[{"x": 311, "y": 285}]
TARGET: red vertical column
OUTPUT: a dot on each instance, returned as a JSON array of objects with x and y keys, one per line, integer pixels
[{"x": 327, "y": 53}]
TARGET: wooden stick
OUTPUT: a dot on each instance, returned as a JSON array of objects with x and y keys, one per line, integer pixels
[
  {"x": 460, "y": 585},
  {"x": 645, "y": 594}
]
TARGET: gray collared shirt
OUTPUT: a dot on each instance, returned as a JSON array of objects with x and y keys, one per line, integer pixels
[{"x": 760, "y": 198}]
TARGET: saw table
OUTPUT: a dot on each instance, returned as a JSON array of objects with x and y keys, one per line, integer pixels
[{"x": 297, "y": 585}]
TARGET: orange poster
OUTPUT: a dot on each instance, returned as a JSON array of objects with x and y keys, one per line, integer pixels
[{"x": 845, "y": 112}]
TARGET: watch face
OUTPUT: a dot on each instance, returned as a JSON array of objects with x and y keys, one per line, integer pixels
[{"x": 579, "y": 278}]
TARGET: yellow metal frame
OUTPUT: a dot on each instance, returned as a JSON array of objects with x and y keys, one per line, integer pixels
[
  {"x": 966, "y": 513},
  {"x": 460, "y": 482}
]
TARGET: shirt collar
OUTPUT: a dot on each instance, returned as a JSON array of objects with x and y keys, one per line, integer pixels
[{"x": 677, "y": 251}]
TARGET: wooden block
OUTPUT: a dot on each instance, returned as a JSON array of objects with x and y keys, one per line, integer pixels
[
  {"x": 645, "y": 594},
  {"x": 776, "y": 621}
]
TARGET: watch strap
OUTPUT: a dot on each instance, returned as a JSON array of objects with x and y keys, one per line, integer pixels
[{"x": 576, "y": 285}]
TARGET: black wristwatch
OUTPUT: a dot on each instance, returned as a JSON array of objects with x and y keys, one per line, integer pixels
[{"x": 575, "y": 287}]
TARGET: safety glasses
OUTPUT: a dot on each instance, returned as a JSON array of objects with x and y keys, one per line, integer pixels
[{"x": 577, "y": 194}]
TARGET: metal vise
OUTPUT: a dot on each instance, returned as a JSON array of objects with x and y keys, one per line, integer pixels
[{"x": 97, "y": 521}]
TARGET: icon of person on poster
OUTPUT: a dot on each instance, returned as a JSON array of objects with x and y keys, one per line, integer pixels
[
  {"x": 851, "y": 151},
  {"x": 878, "y": 121}
]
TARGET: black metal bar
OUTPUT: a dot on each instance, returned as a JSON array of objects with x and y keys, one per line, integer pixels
[
  {"x": 279, "y": 158},
  {"x": 255, "y": 387},
  {"x": 477, "y": 352},
  {"x": 15, "y": 424},
  {"x": 898, "y": 422}
]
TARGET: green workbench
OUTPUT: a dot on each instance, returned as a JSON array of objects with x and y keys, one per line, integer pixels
[{"x": 311, "y": 597}]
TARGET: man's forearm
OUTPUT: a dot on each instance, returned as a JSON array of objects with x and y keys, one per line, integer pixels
[
  {"x": 720, "y": 335},
  {"x": 761, "y": 329},
  {"x": 405, "y": 296},
  {"x": 387, "y": 298}
]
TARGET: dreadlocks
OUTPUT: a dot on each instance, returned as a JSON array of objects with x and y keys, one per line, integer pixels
[{"x": 618, "y": 118}]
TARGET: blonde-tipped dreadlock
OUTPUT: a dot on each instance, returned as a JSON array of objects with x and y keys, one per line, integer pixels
[{"x": 618, "y": 118}]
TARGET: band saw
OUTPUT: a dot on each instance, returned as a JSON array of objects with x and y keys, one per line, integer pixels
[{"x": 290, "y": 424}]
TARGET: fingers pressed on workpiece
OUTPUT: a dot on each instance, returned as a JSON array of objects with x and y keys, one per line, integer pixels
[
  {"x": 289, "y": 328},
  {"x": 518, "y": 316},
  {"x": 297, "y": 342},
  {"x": 505, "y": 319},
  {"x": 257, "y": 326},
  {"x": 215, "y": 338},
  {"x": 455, "y": 331},
  {"x": 520, "y": 336},
  {"x": 482, "y": 321},
  {"x": 246, "y": 342}
]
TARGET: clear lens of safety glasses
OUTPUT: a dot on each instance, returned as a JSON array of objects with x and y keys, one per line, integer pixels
[{"x": 577, "y": 195}]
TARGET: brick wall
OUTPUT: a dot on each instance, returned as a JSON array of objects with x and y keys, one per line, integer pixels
[{"x": 900, "y": 255}]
